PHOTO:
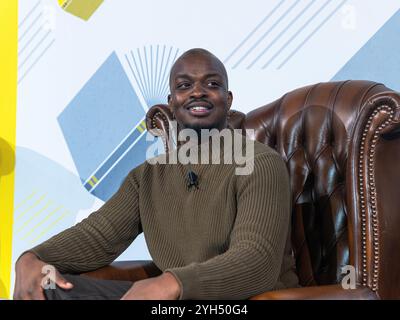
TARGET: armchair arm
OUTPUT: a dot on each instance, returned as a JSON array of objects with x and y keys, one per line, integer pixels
[
  {"x": 139, "y": 270},
  {"x": 126, "y": 270},
  {"x": 329, "y": 292},
  {"x": 372, "y": 180}
]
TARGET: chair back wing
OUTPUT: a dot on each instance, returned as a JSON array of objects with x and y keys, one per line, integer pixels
[{"x": 328, "y": 133}]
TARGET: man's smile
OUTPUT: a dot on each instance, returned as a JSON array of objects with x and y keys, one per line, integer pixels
[{"x": 199, "y": 109}]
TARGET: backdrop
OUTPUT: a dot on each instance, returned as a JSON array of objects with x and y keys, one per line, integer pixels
[{"x": 88, "y": 70}]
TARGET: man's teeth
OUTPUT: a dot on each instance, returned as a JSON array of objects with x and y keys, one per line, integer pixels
[{"x": 198, "y": 108}]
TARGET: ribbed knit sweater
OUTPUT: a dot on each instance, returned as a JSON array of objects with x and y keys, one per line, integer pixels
[{"x": 224, "y": 240}]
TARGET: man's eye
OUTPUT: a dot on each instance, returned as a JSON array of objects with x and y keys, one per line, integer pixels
[
  {"x": 213, "y": 84},
  {"x": 183, "y": 85}
]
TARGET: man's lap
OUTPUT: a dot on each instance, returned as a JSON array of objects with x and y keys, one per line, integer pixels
[{"x": 86, "y": 288}]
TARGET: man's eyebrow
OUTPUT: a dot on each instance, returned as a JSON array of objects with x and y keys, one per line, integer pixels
[
  {"x": 187, "y": 76},
  {"x": 182, "y": 75}
]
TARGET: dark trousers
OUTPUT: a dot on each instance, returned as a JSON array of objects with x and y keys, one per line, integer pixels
[{"x": 86, "y": 288}]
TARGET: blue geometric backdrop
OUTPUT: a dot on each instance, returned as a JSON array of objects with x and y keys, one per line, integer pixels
[
  {"x": 379, "y": 58},
  {"x": 101, "y": 125}
]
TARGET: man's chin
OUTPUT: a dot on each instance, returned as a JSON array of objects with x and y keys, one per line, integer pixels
[{"x": 199, "y": 126}]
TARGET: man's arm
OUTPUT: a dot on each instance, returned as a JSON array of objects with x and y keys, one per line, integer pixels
[
  {"x": 163, "y": 287},
  {"x": 252, "y": 263},
  {"x": 98, "y": 239}
]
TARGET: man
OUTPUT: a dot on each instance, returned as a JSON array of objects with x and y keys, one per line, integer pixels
[{"x": 223, "y": 240}]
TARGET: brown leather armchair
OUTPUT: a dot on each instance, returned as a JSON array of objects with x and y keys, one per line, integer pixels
[{"x": 341, "y": 143}]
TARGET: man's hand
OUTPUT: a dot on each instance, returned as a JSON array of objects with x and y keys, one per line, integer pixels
[
  {"x": 29, "y": 278},
  {"x": 163, "y": 287}
]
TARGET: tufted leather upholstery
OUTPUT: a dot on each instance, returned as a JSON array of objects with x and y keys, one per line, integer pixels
[
  {"x": 312, "y": 128},
  {"x": 341, "y": 144}
]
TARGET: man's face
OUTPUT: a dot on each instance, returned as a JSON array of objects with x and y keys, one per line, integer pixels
[{"x": 199, "y": 96}]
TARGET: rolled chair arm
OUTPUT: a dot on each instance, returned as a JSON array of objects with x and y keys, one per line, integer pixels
[
  {"x": 329, "y": 292},
  {"x": 126, "y": 270}
]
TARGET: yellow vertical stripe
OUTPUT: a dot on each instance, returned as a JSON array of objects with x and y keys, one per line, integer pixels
[{"x": 8, "y": 100}]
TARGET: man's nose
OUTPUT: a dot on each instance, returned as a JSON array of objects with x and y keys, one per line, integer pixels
[{"x": 198, "y": 91}]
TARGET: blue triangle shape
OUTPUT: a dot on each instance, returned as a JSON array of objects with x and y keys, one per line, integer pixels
[{"x": 379, "y": 59}]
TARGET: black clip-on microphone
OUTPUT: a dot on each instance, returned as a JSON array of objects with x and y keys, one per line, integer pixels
[
  {"x": 192, "y": 177},
  {"x": 193, "y": 180}
]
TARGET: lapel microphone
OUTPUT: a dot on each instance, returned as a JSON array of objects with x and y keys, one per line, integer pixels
[{"x": 193, "y": 180}]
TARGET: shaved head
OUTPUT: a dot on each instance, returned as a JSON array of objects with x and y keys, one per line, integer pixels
[{"x": 198, "y": 52}]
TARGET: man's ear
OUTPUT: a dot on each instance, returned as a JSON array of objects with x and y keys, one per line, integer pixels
[
  {"x": 170, "y": 106},
  {"x": 230, "y": 99}
]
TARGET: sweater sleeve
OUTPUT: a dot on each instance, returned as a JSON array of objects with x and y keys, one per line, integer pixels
[
  {"x": 252, "y": 263},
  {"x": 99, "y": 239}
]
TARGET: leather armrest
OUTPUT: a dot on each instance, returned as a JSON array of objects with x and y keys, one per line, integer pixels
[
  {"x": 330, "y": 292},
  {"x": 139, "y": 270},
  {"x": 126, "y": 270}
]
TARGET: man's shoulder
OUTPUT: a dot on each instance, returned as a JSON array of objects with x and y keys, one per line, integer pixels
[
  {"x": 263, "y": 149},
  {"x": 148, "y": 165},
  {"x": 260, "y": 149},
  {"x": 136, "y": 173}
]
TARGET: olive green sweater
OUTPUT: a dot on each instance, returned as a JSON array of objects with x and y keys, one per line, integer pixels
[{"x": 224, "y": 240}]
